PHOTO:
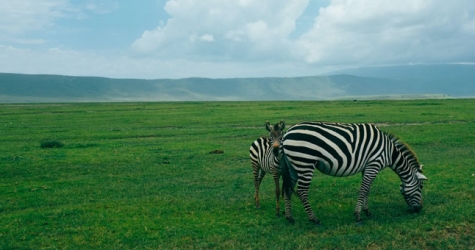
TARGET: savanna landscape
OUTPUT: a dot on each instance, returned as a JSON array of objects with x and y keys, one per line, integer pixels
[{"x": 177, "y": 175}]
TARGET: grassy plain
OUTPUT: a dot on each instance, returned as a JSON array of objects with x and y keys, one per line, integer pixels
[{"x": 140, "y": 176}]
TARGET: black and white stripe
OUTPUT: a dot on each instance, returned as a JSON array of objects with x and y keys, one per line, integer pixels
[
  {"x": 264, "y": 161},
  {"x": 338, "y": 149}
]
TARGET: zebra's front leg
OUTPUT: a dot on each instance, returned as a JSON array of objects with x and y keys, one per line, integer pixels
[
  {"x": 365, "y": 210},
  {"x": 257, "y": 182},
  {"x": 365, "y": 207},
  {"x": 368, "y": 177},
  {"x": 277, "y": 195},
  {"x": 303, "y": 195}
]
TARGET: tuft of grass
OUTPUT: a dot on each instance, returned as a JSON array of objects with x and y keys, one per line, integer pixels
[{"x": 51, "y": 144}]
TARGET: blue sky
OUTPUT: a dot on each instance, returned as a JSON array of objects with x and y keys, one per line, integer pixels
[{"x": 221, "y": 39}]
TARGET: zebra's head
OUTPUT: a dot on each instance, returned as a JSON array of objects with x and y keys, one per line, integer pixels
[
  {"x": 407, "y": 166},
  {"x": 275, "y": 134},
  {"x": 412, "y": 189}
]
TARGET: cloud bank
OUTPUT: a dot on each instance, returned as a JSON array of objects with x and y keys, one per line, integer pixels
[
  {"x": 246, "y": 38},
  {"x": 345, "y": 32}
]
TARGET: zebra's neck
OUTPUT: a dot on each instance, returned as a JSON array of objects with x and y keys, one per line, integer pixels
[{"x": 404, "y": 162}]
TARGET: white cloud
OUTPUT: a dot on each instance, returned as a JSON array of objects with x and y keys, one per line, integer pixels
[
  {"x": 390, "y": 32},
  {"x": 207, "y": 38},
  {"x": 239, "y": 29},
  {"x": 215, "y": 38},
  {"x": 22, "y": 16},
  {"x": 101, "y": 7},
  {"x": 345, "y": 33},
  {"x": 26, "y": 21},
  {"x": 117, "y": 65}
]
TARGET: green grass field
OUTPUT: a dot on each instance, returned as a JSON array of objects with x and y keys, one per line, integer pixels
[{"x": 141, "y": 176}]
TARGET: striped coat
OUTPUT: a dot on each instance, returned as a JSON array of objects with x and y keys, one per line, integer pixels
[
  {"x": 263, "y": 153},
  {"x": 339, "y": 149}
]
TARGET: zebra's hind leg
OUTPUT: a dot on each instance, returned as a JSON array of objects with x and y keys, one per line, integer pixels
[
  {"x": 287, "y": 193},
  {"x": 303, "y": 195}
]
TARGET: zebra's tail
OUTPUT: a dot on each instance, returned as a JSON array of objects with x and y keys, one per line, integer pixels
[{"x": 289, "y": 175}]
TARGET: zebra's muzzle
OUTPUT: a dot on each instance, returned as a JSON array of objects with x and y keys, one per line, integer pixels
[{"x": 275, "y": 149}]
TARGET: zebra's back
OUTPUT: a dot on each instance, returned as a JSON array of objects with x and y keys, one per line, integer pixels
[{"x": 335, "y": 149}]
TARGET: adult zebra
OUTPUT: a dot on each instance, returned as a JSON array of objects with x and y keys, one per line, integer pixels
[
  {"x": 263, "y": 160},
  {"x": 339, "y": 149}
]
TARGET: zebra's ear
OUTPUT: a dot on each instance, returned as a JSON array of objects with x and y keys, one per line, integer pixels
[
  {"x": 421, "y": 176},
  {"x": 268, "y": 126},
  {"x": 282, "y": 125}
]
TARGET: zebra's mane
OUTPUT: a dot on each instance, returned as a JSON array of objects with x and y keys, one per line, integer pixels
[{"x": 405, "y": 150}]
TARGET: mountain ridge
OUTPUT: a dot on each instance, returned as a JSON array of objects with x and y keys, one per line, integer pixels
[{"x": 364, "y": 83}]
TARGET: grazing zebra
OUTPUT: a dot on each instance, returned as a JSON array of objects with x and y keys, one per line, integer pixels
[
  {"x": 263, "y": 160},
  {"x": 338, "y": 149}
]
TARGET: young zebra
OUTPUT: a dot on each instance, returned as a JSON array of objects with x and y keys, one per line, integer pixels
[
  {"x": 263, "y": 160},
  {"x": 342, "y": 150}
]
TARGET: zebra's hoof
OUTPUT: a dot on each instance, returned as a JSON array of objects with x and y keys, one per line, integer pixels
[
  {"x": 368, "y": 213},
  {"x": 291, "y": 220},
  {"x": 359, "y": 224},
  {"x": 316, "y": 222}
]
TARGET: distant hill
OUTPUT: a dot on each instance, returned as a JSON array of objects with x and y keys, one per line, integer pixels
[
  {"x": 451, "y": 79},
  {"x": 437, "y": 81}
]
